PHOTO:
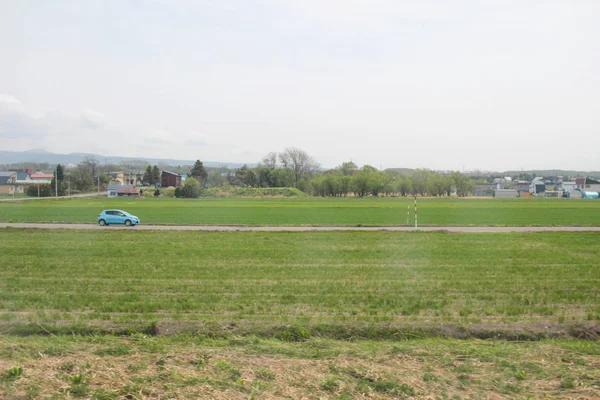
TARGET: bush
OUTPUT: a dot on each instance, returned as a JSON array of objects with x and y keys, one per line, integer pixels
[
  {"x": 191, "y": 189},
  {"x": 252, "y": 192},
  {"x": 45, "y": 190},
  {"x": 168, "y": 192}
]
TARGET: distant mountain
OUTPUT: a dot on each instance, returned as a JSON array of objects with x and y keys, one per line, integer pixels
[
  {"x": 553, "y": 172},
  {"x": 43, "y": 156},
  {"x": 401, "y": 170}
]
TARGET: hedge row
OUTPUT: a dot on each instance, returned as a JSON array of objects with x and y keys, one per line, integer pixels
[{"x": 252, "y": 192}]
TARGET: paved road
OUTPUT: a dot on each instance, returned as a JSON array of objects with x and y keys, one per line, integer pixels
[{"x": 229, "y": 228}]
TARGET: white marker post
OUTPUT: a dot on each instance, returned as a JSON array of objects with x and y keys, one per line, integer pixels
[
  {"x": 408, "y": 214},
  {"x": 415, "y": 213}
]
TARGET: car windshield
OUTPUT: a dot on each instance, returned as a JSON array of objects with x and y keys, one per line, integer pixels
[{"x": 309, "y": 199}]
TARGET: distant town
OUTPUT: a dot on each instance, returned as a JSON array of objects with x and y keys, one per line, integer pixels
[{"x": 292, "y": 168}]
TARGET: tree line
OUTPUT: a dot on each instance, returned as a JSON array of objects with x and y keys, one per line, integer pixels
[
  {"x": 291, "y": 168},
  {"x": 295, "y": 168}
]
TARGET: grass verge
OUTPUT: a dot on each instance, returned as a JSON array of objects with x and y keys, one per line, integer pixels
[{"x": 108, "y": 367}]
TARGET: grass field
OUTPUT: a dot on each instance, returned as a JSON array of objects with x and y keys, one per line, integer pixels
[
  {"x": 296, "y": 285},
  {"x": 344, "y": 315},
  {"x": 138, "y": 367},
  {"x": 316, "y": 211}
]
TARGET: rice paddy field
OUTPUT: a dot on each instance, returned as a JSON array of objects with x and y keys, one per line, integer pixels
[{"x": 316, "y": 211}]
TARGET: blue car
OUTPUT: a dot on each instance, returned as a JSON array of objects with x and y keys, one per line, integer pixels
[{"x": 108, "y": 217}]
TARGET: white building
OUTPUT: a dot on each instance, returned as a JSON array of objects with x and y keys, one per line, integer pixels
[
  {"x": 588, "y": 185},
  {"x": 537, "y": 186},
  {"x": 506, "y": 193}
]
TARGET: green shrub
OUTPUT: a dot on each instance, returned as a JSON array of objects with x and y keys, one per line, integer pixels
[
  {"x": 228, "y": 191},
  {"x": 191, "y": 189},
  {"x": 168, "y": 192}
]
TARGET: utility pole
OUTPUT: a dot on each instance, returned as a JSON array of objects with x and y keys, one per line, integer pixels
[
  {"x": 56, "y": 183},
  {"x": 415, "y": 212}
]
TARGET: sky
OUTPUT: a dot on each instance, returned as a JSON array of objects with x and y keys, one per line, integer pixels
[{"x": 448, "y": 85}]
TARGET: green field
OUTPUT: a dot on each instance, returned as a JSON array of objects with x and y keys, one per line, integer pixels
[
  {"x": 146, "y": 314},
  {"x": 292, "y": 285},
  {"x": 316, "y": 211}
]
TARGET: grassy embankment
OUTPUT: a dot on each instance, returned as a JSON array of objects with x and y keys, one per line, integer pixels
[{"x": 316, "y": 211}]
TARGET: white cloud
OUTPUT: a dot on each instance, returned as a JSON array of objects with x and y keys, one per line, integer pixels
[
  {"x": 15, "y": 122},
  {"x": 93, "y": 119},
  {"x": 395, "y": 82},
  {"x": 53, "y": 129},
  {"x": 9, "y": 102}
]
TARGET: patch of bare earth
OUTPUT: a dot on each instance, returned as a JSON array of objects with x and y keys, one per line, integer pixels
[{"x": 149, "y": 368}]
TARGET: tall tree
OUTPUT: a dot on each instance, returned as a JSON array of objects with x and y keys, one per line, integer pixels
[
  {"x": 462, "y": 184},
  {"x": 347, "y": 168},
  {"x": 420, "y": 181},
  {"x": 60, "y": 173},
  {"x": 156, "y": 174},
  {"x": 246, "y": 176},
  {"x": 299, "y": 162},
  {"x": 149, "y": 176},
  {"x": 270, "y": 160},
  {"x": 82, "y": 176},
  {"x": 404, "y": 185},
  {"x": 91, "y": 164},
  {"x": 199, "y": 172}
]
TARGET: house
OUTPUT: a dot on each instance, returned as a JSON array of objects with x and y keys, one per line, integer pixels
[
  {"x": 506, "y": 193},
  {"x": 485, "y": 189},
  {"x": 587, "y": 185},
  {"x": 133, "y": 178},
  {"x": 41, "y": 178},
  {"x": 8, "y": 180},
  {"x": 537, "y": 187},
  {"x": 123, "y": 191},
  {"x": 521, "y": 186},
  {"x": 23, "y": 179},
  {"x": 117, "y": 176},
  {"x": 566, "y": 188},
  {"x": 170, "y": 179}
]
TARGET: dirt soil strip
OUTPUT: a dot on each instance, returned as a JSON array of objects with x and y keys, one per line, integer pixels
[{"x": 235, "y": 228}]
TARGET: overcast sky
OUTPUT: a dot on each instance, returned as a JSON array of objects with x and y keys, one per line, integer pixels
[{"x": 491, "y": 85}]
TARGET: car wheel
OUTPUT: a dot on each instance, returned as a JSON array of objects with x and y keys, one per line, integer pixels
[
  {"x": 102, "y": 222},
  {"x": 128, "y": 223}
]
